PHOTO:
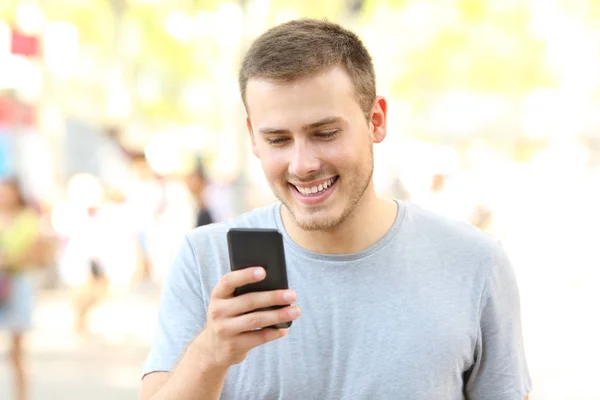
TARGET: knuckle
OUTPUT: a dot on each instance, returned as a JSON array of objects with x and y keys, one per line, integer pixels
[
  {"x": 277, "y": 297},
  {"x": 220, "y": 330},
  {"x": 214, "y": 295},
  {"x": 267, "y": 335},
  {"x": 214, "y": 313},
  {"x": 284, "y": 314},
  {"x": 255, "y": 320},
  {"x": 252, "y": 303},
  {"x": 226, "y": 281}
]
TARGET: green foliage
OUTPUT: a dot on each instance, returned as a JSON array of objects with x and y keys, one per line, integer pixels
[
  {"x": 92, "y": 19},
  {"x": 482, "y": 49}
]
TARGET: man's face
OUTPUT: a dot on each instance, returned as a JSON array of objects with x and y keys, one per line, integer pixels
[{"x": 315, "y": 145}]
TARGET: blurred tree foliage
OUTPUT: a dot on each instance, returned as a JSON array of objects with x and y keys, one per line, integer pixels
[
  {"x": 472, "y": 46},
  {"x": 460, "y": 44}
]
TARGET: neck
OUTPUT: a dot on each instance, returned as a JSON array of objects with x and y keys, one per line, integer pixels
[{"x": 370, "y": 221}]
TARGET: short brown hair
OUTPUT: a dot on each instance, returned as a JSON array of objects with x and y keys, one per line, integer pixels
[{"x": 303, "y": 47}]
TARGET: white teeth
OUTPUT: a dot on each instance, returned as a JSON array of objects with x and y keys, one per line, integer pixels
[{"x": 316, "y": 189}]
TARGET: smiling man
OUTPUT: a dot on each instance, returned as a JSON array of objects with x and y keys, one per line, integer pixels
[{"x": 397, "y": 302}]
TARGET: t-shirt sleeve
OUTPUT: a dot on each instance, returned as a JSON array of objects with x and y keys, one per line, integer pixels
[
  {"x": 181, "y": 312},
  {"x": 500, "y": 369}
]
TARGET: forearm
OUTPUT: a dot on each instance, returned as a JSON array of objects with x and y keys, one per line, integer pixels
[{"x": 193, "y": 379}]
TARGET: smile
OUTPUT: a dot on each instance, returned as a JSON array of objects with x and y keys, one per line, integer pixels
[
  {"x": 316, "y": 194},
  {"x": 318, "y": 189}
]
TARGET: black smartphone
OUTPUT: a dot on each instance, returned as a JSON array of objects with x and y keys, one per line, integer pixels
[{"x": 259, "y": 248}]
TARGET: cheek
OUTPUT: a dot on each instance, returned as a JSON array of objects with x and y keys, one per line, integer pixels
[
  {"x": 274, "y": 164},
  {"x": 343, "y": 154}
]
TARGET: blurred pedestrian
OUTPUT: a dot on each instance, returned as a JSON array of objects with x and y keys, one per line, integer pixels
[
  {"x": 145, "y": 198},
  {"x": 20, "y": 249},
  {"x": 90, "y": 240},
  {"x": 96, "y": 287},
  {"x": 197, "y": 183}
]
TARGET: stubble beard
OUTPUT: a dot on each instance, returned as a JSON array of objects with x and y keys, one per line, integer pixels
[{"x": 356, "y": 185}]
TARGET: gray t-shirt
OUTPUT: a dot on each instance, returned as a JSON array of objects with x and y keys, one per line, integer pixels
[{"x": 431, "y": 311}]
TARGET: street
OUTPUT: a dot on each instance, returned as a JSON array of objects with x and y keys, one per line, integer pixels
[{"x": 104, "y": 365}]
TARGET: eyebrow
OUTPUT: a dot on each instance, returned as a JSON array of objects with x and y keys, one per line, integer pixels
[{"x": 307, "y": 127}]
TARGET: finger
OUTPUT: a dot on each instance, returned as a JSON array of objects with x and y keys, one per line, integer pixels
[
  {"x": 232, "y": 280},
  {"x": 260, "y": 319},
  {"x": 254, "y": 301},
  {"x": 250, "y": 340}
]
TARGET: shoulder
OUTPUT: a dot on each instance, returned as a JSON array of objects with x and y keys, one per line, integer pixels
[{"x": 449, "y": 239}]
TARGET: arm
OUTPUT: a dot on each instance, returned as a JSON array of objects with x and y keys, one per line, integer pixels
[
  {"x": 189, "y": 379},
  {"x": 500, "y": 369},
  {"x": 193, "y": 378},
  {"x": 202, "y": 370},
  {"x": 229, "y": 333}
]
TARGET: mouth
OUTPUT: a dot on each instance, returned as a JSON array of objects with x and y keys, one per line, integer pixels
[{"x": 317, "y": 193}]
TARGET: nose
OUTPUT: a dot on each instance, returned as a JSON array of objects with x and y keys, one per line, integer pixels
[{"x": 304, "y": 160}]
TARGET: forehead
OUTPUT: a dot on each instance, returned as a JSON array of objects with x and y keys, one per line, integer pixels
[{"x": 303, "y": 100}]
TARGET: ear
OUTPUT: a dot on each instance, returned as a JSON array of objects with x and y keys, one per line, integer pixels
[
  {"x": 378, "y": 120},
  {"x": 252, "y": 138}
]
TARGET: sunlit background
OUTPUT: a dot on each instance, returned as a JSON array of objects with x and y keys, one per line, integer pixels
[{"x": 107, "y": 106}]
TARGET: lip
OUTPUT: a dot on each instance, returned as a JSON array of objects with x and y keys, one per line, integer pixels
[
  {"x": 317, "y": 198},
  {"x": 314, "y": 183}
]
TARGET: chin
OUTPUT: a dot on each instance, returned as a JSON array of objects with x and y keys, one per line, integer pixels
[
  {"x": 312, "y": 225},
  {"x": 317, "y": 220},
  {"x": 319, "y": 217}
]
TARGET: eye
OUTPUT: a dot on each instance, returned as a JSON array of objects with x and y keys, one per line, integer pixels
[
  {"x": 276, "y": 141},
  {"x": 327, "y": 134}
]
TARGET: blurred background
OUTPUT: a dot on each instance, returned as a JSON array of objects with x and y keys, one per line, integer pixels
[{"x": 122, "y": 122}]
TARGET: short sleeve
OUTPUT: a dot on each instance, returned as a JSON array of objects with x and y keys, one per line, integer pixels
[
  {"x": 181, "y": 313},
  {"x": 500, "y": 369}
]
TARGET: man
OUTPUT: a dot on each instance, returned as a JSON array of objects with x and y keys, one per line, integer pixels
[{"x": 397, "y": 303}]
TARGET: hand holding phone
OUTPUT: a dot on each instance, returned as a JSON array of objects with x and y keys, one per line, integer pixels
[{"x": 245, "y": 301}]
